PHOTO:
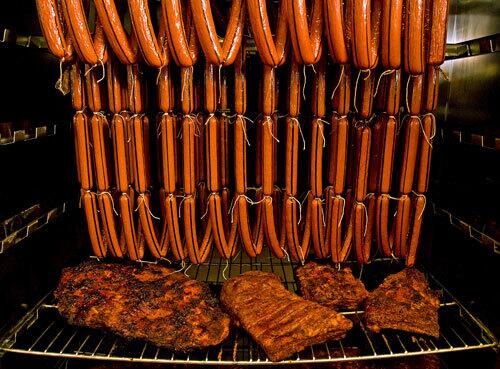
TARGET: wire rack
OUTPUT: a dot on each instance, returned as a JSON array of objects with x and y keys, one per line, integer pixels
[{"x": 43, "y": 332}]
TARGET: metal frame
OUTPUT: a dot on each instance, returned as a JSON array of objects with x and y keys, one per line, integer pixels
[{"x": 42, "y": 332}]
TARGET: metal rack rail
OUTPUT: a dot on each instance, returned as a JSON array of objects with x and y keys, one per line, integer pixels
[
  {"x": 29, "y": 221},
  {"x": 29, "y": 135},
  {"x": 43, "y": 332}
]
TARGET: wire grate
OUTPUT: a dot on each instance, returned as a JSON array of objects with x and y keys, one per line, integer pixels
[{"x": 43, "y": 332}]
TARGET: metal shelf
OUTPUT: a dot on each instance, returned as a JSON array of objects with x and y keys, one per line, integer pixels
[
  {"x": 29, "y": 135},
  {"x": 468, "y": 229},
  {"x": 43, "y": 332},
  {"x": 28, "y": 222}
]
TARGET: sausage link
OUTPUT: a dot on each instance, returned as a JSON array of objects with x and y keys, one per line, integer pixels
[
  {"x": 306, "y": 41},
  {"x": 414, "y": 37},
  {"x": 366, "y": 96},
  {"x": 393, "y": 93},
  {"x": 382, "y": 233},
  {"x": 77, "y": 87},
  {"x": 78, "y": 29},
  {"x": 106, "y": 208},
  {"x": 166, "y": 100},
  {"x": 99, "y": 132},
  {"x": 390, "y": 33},
  {"x": 365, "y": 16},
  {"x": 134, "y": 240},
  {"x": 401, "y": 226},
  {"x": 152, "y": 46},
  {"x": 415, "y": 94},
  {"x": 437, "y": 37},
  {"x": 216, "y": 53},
  {"x": 431, "y": 89},
  {"x": 335, "y": 30},
  {"x": 409, "y": 155},
  {"x": 272, "y": 50},
  {"x": 90, "y": 207},
  {"x": 418, "y": 210},
  {"x": 135, "y": 89},
  {"x": 338, "y": 153},
  {"x": 183, "y": 42},
  {"x": 83, "y": 153},
  {"x": 362, "y": 162},
  {"x": 342, "y": 96},
  {"x": 114, "y": 82},
  {"x": 50, "y": 17},
  {"x": 425, "y": 153},
  {"x": 387, "y": 151},
  {"x": 123, "y": 47},
  {"x": 363, "y": 220}
]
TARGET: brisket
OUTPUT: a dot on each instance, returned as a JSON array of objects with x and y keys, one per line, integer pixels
[
  {"x": 404, "y": 301},
  {"x": 150, "y": 303},
  {"x": 336, "y": 289}
]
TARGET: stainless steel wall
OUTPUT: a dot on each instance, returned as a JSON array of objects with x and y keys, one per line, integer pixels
[{"x": 470, "y": 99}]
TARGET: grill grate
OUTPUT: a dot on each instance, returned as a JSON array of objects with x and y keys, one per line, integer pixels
[{"x": 43, "y": 332}]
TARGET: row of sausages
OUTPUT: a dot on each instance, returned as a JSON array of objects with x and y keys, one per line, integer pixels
[{"x": 378, "y": 61}]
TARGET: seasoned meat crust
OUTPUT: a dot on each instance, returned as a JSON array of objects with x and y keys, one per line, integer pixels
[
  {"x": 404, "y": 301},
  {"x": 150, "y": 303},
  {"x": 336, "y": 289},
  {"x": 281, "y": 322}
]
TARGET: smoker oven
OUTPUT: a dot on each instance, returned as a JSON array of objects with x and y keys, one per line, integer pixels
[{"x": 43, "y": 229}]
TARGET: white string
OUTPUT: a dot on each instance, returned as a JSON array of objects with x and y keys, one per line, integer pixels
[
  {"x": 193, "y": 119},
  {"x": 322, "y": 212},
  {"x": 286, "y": 254},
  {"x": 248, "y": 199},
  {"x": 302, "y": 258},
  {"x": 366, "y": 216},
  {"x": 103, "y": 72},
  {"x": 356, "y": 92},
  {"x": 183, "y": 265},
  {"x": 143, "y": 197},
  {"x": 208, "y": 202},
  {"x": 384, "y": 73},
  {"x": 320, "y": 127},
  {"x": 184, "y": 82},
  {"x": 164, "y": 258},
  {"x": 305, "y": 197},
  {"x": 445, "y": 75},
  {"x": 407, "y": 88},
  {"x": 425, "y": 203},
  {"x": 159, "y": 74},
  {"x": 224, "y": 271},
  {"x": 392, "y": 197},
  {"x": 356, "y": 86},
  {"x": 433, "y": 128},
  {"x": 265, "y": 197},
  {"x": 300, "y": 131},
  {"x": 343, "y": 209},
  {"x": 185, "y": 270},
  {"x": 211, "y": 115},
  {"x": 158, "y": 130},
  {"x": 242, "y": 118},
  {"x": 269, "y": 126},
  {"x": 305, "y": 81},
  {"x": 338, "y": 83},
  {"x": 112, "y": 201},
  {"x": 180, "y": 204},
  {"x": 293, "y": 198},
  {"x": 220, "y": 83},
  {"x": 59, "y": 83}
]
